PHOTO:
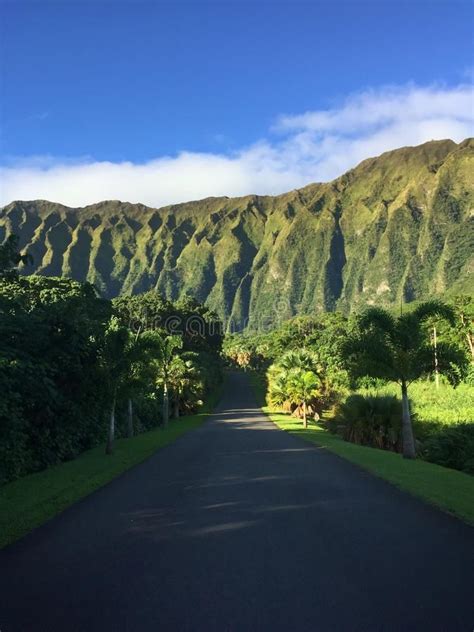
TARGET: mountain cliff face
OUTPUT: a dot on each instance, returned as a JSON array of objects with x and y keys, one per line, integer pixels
[{"x": 397, "y": 227}]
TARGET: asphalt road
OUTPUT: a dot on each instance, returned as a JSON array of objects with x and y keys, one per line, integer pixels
[{"x": 240, "y": 527}]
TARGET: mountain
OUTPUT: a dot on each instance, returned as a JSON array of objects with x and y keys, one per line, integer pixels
[{"x": 397, "y": 227}]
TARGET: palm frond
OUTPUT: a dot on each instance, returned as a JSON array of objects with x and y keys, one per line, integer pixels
[
  {"x": 435, "y": 308},
  {"x": 378, "y": 318},
  {"x": 452, "y": 362}
]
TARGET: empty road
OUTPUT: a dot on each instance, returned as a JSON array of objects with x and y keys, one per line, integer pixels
[{"x": 239, "y": 526}]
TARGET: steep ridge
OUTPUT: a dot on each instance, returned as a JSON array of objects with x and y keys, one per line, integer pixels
[{"x": 397, "y": 227}]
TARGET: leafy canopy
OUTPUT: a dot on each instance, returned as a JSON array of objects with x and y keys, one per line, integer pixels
[{"x": 398, "y": 348}]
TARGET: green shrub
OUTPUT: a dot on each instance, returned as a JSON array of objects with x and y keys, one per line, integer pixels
[
  {"x": 451, "y": 446},
  {"x": 442, "y": 422},
  {"x": 373, "y": 420}
]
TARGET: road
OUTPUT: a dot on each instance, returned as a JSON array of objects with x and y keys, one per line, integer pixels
[{"x": 239, "y": 526}]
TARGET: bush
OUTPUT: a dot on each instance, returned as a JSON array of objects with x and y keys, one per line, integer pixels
[
  {"x": 372, "y": 420},
  {"x": 451, "y": 446},
  {"x": 375, "y": 420}
]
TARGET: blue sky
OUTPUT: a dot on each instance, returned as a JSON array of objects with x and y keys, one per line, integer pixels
[{"x": 216, "y": 92}]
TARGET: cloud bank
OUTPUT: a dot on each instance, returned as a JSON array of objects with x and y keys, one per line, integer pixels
[{"x": 310, "y": 147}]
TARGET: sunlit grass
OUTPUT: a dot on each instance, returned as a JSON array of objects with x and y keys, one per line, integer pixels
[{"x": 443, "y": 405}]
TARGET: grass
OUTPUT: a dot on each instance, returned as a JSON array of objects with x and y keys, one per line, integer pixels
[
  {"x": 446, "y": 405},
  {"x": 32, "y": 500},
  {"x": 448, "y": 489}
]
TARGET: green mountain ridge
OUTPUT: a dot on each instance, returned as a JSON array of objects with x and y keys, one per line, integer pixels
[{"x": 398, "y": 227}]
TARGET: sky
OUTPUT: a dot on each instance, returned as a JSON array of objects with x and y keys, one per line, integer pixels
[{"x": 163, "y": 102}]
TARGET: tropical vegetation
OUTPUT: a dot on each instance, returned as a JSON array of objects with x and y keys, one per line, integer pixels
[
  {"x": 398, "y": 382},
  {"x": 399, "y": 350},
  {"x": 77, "y": 370}
]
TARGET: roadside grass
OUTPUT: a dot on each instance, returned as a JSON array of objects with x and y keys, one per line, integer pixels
[
  {"x": 448, "y": 489},
  {"x": 32, "y": 500}
]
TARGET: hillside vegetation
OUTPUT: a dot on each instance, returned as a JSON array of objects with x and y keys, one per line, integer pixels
[{"x": 397, "y": 227}]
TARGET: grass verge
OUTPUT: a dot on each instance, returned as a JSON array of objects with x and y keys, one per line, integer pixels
[
  {"x": 32, "y": 500},
  {"x": 450, "y": 490}
]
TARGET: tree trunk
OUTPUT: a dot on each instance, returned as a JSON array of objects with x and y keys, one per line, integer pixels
[
  {"x": 408, "y": 439},
  {"x": 165, "y": 404},
  {"x": 305, "y": 421},
  {"x": 109, "y": 448},
  {"x": 436, "y": 364},
  {"x": 470, "y": 342},
  {"x": 176, "y": 407},
  {"x": 130, "y": 419}
]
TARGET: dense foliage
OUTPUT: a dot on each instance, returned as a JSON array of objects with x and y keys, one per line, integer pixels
[
  {"x": 373, "y": 420},
  {"x": 358, "y": 366},
  {"x": 397, "y": 349},
  {"x": 294, "y": 380},
  {"x": 51, "y": 332},
  {"x": 73, "y": 372}
]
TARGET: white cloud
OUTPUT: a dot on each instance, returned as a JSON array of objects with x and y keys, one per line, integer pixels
[{"x": 304, "y": 148}]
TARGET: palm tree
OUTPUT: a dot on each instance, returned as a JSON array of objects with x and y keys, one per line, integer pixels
[
  {"x": 399, "y": 350},
  {"x": 294, "y": 379},
  {"x": 184, "y": 376},
  {"x": 139, "y": 351},
  {"x": 304, "y": 359},
  {"x": 301, "y": 386},
  {"x": 278, "y": 394},
  {"x": 116, "y": 367},
  {"x": 165, "y": 360}
]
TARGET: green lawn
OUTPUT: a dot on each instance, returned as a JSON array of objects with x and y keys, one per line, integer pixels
[
  {"x": 448, "y": 489},
  {"x": 34, "y": 499}
]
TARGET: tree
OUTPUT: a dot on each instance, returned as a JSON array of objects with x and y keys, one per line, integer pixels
[
  {"x": 303, "y": 359},
  {"x": 196, "y": 326},
  {"x": 66, "y": 364},
  {"x": 295, "y": 379},
  {"x": 166, "y": 361},
  {"x": 139, "y": 351},
  {"x": 399, "y": 350},
  {"x": 51, "y": 332},
  {"x": 116, "y": 356},
  {"x": 301, "y": 386},
  {"x": 242, "y": 351},
  {"x": 199, "y": 327},
  {"x": 464, "y": 309},
  {"x": 184, "y": 376}
]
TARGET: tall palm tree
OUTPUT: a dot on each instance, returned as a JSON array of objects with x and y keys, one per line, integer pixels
[
  {"x": 140, "y": 352},
  {"x": 399, "y": 350},
  {"x": 165, "y": 360},
  {"x": 184, "y": 376},
  {"x": 116, "y": 363}
]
